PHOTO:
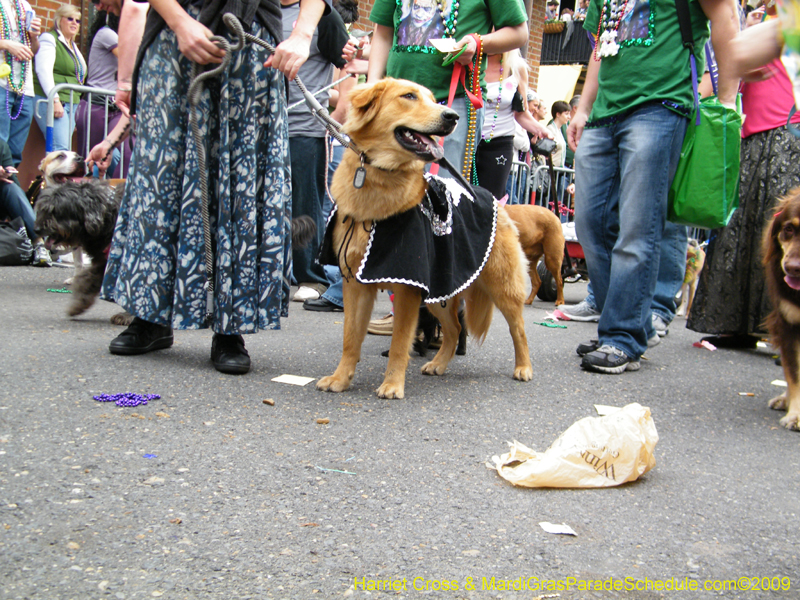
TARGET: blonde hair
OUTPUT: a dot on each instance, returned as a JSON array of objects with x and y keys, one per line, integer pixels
[
  {"x": 515, "y": 65},
  {"x": 65, "y": 10}
]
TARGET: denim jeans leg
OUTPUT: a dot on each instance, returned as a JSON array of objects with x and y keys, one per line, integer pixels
[
  {"x": 647, "y": 146},
  {"x": 14, "y": 203},
  {"x": 336, "y": 153},
  {"x": 15, "y": 131},
  {"x": 62, "y": 127},
  {"x": 334, "y": 293},
  {"x": 308, "y": 190},
  {"x": 596, "y": 197},
  {"x": 671, "y": 270}
]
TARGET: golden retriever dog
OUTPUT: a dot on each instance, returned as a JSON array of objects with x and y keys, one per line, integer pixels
[
  {"x": 394, "y": 126},
  {"x": 540, "y": 234},
  {"x": 695, "y": 259},
  {"x": 781, "y": 249}
]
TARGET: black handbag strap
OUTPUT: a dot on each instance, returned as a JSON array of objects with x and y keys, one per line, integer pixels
[{"x": 687, "y": 36}]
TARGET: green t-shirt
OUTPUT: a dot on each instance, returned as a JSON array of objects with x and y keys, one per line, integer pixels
[
  {"x": 652, "y": 65},
  {"x": 414, "y": 22}
]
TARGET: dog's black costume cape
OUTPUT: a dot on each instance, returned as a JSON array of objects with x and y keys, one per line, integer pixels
[{"x": 440, "y": 246}]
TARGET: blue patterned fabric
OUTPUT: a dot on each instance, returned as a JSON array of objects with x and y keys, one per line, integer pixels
[{"x": 156, "y": 265}]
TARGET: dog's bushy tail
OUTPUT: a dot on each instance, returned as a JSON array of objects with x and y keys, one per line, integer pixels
[
  {"x": 303, "y": 231},
  {"x": 480, "y": 309}
]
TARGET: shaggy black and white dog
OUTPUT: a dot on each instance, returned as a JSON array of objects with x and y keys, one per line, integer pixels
[{"x": 82, "y": 214}]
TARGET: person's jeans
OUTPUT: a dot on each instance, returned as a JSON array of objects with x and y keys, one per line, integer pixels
[
  {"x": 13, "y": 203},
  {"x": 62, "y": 127},
  {"x": 15, "y": 131},
  {"x": 308, "y": 190},
  {"x": 623, "y": 173},
  {"x": 671, "y": 271}
]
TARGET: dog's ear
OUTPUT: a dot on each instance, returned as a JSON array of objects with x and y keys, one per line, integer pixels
[
  {"x": 364, "y": 104},
  {"x": 770, "y": 245}
]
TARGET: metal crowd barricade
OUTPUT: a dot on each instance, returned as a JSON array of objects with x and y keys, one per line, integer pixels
[
  {"x": 88, "y": 93},
  {"x": 540, "y": 191},
  {"x": 520, "y": 183}
]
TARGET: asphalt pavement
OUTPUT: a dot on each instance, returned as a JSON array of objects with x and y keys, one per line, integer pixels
[{"x": 211, "y": 493}]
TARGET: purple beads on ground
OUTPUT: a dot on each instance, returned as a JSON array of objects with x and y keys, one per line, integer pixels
[{"x": 128, "y": 399}]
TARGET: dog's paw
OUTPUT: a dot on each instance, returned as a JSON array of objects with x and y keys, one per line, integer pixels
[
  {"x": 122, "y": 318},
  {"x": 791, "y": 421},
  {"x": 433, "y": 368},
  {"x": 523, "y": 373},
  {"x": 332, "y": 384},
  {"x": 390, "y": 391},
  {"x": 779, "y": 402}
]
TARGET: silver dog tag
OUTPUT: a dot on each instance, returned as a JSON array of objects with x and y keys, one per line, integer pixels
[{"x": 359, "y": 178}]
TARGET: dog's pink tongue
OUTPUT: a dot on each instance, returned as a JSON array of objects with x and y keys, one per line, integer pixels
[
  {"x": 436, "y": 150},
  {"x": 792, "y": 282}
]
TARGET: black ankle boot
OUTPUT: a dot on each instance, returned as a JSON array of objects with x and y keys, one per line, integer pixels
[
  {"x": 141, "y": 337},
  {"x": 229, "y": 354}
]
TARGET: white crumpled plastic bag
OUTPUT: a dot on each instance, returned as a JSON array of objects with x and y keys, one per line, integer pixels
[{"x": 594, "y": 452}]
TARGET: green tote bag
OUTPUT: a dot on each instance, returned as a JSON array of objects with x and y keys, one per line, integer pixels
[{"x": 705, "y": 191}]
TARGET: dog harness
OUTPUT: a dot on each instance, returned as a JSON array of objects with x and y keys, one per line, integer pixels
[{"x": 440, "y": 246}]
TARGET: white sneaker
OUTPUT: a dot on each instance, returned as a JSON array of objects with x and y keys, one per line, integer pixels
[
  {"x": 304, "y": 293},
  {"x": 660, "y": 325},
  {"x": 582, "y": 311}
]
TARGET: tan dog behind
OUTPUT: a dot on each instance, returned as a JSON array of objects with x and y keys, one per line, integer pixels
[
  {"x": 540, "y": 234},
  {"x": 695, "y": 259},
  {"x": 392, "y": 122},
  {"x": 781, "y": 248}
]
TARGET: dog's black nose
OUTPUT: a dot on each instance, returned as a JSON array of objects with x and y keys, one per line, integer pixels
[{"x": 450, "y": 115}]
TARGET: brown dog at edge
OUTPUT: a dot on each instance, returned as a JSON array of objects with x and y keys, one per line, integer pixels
[
  {"x": 540, "y": 234},
  {"x": 781, "y": 249},
  {"x": 392, "y": 122}
]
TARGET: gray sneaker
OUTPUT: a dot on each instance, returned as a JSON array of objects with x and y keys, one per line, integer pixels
[
  {"x": 583, "y": 311},
  {"x": 607, "y": 359},
  {"x": 660, "y": 325}
]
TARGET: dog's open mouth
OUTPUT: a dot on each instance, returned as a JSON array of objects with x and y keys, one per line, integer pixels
[
  {"x": 78, "y": 172},
  {"x": 423, "y": 145}
]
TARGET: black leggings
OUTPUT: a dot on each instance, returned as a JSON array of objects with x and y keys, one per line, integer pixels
[{"x": 493, "y": 161}]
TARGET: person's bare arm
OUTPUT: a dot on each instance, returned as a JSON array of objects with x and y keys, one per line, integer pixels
[
  {"x": 131, "y": 20},
  {"x": 343, "y": 101},
  {"x": 724, "y": 18},
  {"x": 379, "y": 52},
  {"x": 293, "y": 52},
  {"x": 531, "y": 125},
  {"x": 755, "y": 47},
  {"x": 588, "y": 96},
  {"x": 497, "y": 42}
]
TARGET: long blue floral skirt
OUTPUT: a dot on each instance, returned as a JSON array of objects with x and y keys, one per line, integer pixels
[{"x": 156, "y": 265}]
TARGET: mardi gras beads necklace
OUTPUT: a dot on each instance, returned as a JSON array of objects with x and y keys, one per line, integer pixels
[
  {"x": 610, "y": 18},
  {"x": 79, "y": 73},
  {"x": 17, "y": 87},
  {"x": 469, "y": 155},
  {"x": 497, "y": 104},
  {"x": 450, "y": 22}
]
